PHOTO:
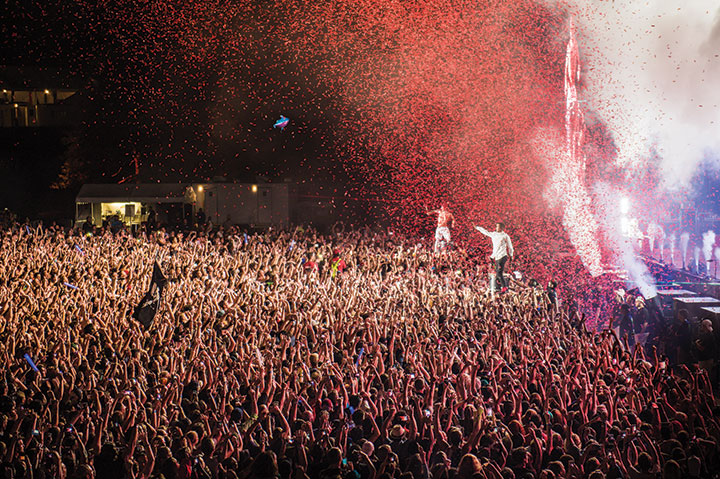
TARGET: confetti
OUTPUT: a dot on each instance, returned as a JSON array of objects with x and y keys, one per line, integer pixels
[{"x": 404, "y": 104}]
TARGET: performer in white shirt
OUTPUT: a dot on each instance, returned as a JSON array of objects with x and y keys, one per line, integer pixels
[
  {"x": 502, "y": 249},
  {"x": 442, "y": 232}
]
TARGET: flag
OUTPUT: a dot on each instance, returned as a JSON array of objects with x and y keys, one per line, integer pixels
[
  {"x": 282, "y": 122},
  {"x": 146, "y": 310}
]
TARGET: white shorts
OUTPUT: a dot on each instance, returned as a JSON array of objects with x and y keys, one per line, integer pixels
[{"x": 442, "y": 233}]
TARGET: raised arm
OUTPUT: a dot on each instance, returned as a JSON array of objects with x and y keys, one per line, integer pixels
[
  {"x": 511, "y": 250},
  {"x": 482, "y": 230}
]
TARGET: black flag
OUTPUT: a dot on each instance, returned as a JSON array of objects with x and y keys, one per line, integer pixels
[{"x": 146, "y": 310}]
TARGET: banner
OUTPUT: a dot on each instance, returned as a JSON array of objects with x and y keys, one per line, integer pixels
[{"x": 146, "y": 310}]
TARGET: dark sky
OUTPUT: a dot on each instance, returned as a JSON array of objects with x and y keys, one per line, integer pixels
[
  {"x": 190, "y": 89},
  {"x": 408, "y": 102}
]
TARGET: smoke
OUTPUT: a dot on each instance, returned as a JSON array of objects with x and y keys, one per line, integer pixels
[
  {"x": 717, "y": 259},
  {"x": 638, "y": 272},
  {"x": 671, "y": 243},
  {"x": 708, "y": 243},
  {"x": 684, "y": 240},
  {"x": 696, "y": 256},
  {"x": 648, "y": 75},
  {"x": 567, "y": 192},
  {"x": 656, "y": 234},
  {"x": 651, "y": 77},
  {"x": 622, "y": 248},
  {"x": 661, "y": 245}
]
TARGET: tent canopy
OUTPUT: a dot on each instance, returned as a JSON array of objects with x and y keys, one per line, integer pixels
[{"x": 140, "y": 193}]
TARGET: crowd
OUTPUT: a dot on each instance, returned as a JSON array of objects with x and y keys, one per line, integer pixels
[{"x": 292, "y": 354}]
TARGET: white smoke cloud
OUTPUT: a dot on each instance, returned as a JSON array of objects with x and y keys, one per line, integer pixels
[
  {"x": 684, "y": 241},
  {"x": 708, "y": 243},
  {"x": 651, "y": 73},
  {"x": 671, "y": 243},
  {"x": 609, "y": 213}
]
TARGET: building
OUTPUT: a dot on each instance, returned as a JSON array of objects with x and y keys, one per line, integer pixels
[
  {"x": 248, "y": 204},
  {"x": 32, "y": 97}
]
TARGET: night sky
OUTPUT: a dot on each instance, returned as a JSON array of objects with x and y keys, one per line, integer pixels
[{"x": 401, "y": 103}]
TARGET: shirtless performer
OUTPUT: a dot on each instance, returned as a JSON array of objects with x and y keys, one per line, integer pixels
[{"x": 445, "y": 221}]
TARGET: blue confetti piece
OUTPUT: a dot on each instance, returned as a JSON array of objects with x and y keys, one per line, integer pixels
[
  {"x": 77, "y": 247},
  {"x": 70, "y": 285}
]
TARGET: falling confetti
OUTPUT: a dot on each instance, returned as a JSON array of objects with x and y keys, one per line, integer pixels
[{"x": 405, "y": 104}]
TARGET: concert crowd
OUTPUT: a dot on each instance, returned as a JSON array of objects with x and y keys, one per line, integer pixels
[{"x": 354, "y": 354}]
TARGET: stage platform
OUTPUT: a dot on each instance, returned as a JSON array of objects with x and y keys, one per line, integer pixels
[
  {"x": 711, "y": 312},
  {"x": 694, "y": 304},
  {"x": 667, "y": 297}
]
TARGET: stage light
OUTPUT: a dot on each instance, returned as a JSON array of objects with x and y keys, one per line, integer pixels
[
  {"x": 200, "y": 188},
  {"x": 254, "y": 188},
  {"x": 47, "y": 92}
]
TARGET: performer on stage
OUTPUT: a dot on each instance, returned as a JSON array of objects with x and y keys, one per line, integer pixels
[
  {"x": 445, "y": 221},
  {"x": 502, "y": 248}
]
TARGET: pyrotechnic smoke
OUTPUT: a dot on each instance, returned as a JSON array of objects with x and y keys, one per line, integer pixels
[
  {"x": 654, "y": 235},
  {"x": 653, "y": 71},
  {"x": 671, "y": 243},
  {"x": 638, "y": 272},
  {"x": 650, "y": 70},
  {"x": 717, "y": 259},
  {"x": 568, "y": 193},
  {"x": 684, "y": 240},
  {"x": 622, "y": 246},
  {"x": 568, "y": 182},
  {"x": 662, "y": 249},
  {"x": 697, "y": 259},
  {"x": 708, "y": 243},
  {"x": 580, "y": 223}
]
